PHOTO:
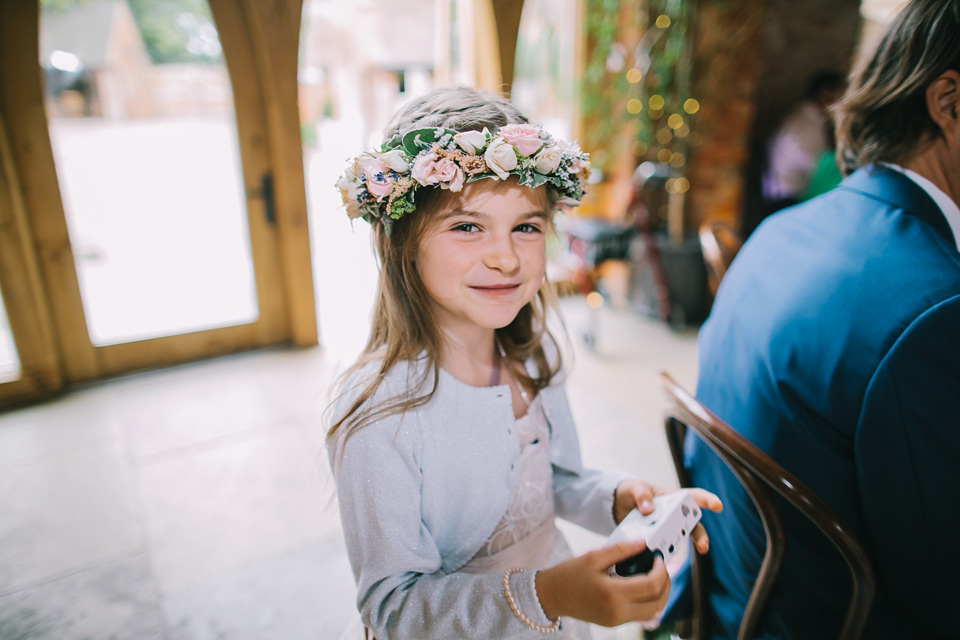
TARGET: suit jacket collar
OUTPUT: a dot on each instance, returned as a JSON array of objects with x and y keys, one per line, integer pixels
[{"x": 896, "y": 188}]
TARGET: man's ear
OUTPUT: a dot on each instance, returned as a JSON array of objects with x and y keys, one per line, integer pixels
[{"x": 943, "y": 100}]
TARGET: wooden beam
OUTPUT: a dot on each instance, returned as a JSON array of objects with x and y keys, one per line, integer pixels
[
  {"x": 27, "y": 311},
  {"x": 275, "y": 29},
  {"x": 21, "y": 93},
  {"x": 486, "y": 47},
  {"x": 506, "y": 17}
]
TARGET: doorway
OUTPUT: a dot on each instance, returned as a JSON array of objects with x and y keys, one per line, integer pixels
[{"x": 143, "y": 193}]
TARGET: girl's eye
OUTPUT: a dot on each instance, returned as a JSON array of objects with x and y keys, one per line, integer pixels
[
  {"x": 528, "y": 228},
  {"x": 466, "y": 227}
]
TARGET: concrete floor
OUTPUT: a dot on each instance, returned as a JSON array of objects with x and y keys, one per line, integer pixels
[{"x": 195, "y": 502}]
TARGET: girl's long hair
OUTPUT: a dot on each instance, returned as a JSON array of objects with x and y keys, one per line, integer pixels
[{"x": 403, "y": 328}]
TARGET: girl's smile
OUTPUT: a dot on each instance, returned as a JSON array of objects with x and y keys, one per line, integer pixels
[{"x": 497, "y": 290}]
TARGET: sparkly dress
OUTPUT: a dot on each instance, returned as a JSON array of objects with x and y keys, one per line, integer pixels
[{"x": 527, "y": 536}]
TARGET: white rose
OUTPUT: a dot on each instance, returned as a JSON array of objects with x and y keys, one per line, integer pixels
[
  {"x": 396, "y": 159},
  {"x": 471, "y": 141},
  {"x": 547, "y": 161},
  {"x": 501, "y": 157}
]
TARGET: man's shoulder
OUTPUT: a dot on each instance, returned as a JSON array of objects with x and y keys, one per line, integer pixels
[{"x": 874, "y": 207}]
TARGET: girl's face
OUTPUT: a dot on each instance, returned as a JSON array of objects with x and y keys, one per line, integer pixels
[{"x": 483, "y": 256}]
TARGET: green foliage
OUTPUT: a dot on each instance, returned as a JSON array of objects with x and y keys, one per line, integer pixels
[
  {"x": 176, "y": 30},
  {"x": 421, "y": 139},
  {"x": 172, "y": 30},
  {"x": 611, "y": 103}
]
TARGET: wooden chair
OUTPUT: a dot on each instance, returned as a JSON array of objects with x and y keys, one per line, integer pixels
[
  {"x": 761, "y": 476},
  {"x": 719, "y": 242}
]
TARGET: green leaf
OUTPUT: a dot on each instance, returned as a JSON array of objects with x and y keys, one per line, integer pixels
[
  {"x": 533, "y": 179},
  {"x": 421, "y": 139},
  {"x": 393, "y": 142}
]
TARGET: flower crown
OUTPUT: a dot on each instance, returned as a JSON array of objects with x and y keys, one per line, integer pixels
[{"x": 382, "y": 184}]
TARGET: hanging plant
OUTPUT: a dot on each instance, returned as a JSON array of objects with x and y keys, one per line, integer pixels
[{"x": 636, "y": 85}]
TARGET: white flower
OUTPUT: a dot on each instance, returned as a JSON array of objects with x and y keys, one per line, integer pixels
[
  {"x": 547, "y": 161},
  {"x": 396, "y": 159},
  {"x": 349, "y": 191},
  {"x": 501, "y": 157},
  {"x": 471, "y": 142}
]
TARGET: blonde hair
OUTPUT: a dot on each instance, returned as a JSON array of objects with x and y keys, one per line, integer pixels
[{"x": 403, "y": 328}]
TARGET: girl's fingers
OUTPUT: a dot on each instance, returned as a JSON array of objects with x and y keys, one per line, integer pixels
[
  {"x": 706, "y": 499},
  {"x": 606, "y": 557},
  {"x": 650, "y": 591},
  {"x": 700, "y": 539}
]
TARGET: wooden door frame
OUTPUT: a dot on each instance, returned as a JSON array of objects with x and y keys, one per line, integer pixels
[
  {"x": 31, "y": 323},
  {"x": 274, "y": 49},
  {"x": 38, "y": 190},
  {"x": 41, "y": 287}
]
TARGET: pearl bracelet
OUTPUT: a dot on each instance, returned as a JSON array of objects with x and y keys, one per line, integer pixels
[{"x": 512, "y": 601}]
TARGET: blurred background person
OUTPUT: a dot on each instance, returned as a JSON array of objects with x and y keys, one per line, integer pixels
[
  {"x": 832, "y": 346},
  {"x": 796, "y": 147}
]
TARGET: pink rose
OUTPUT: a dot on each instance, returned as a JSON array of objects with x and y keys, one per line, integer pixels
[
  {"x": 375, "y": 173},
  {"x": 424, "y": 169},
  {"x": 577, "y": 163},
  {"x": 379, "y": 186},
  {"x": 569, "y": 147},
  {"x": 427, "y": 170},
  {"x": 448, "y": 174},
  {"x": 525, "y": 137}
]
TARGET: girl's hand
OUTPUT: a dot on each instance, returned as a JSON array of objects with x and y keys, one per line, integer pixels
[
  {"x": 637, "y": 494},
  {"x": 581, "y": 588}
]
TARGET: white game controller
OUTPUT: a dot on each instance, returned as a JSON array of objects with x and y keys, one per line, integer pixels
[{"x": 673, "y": 518}]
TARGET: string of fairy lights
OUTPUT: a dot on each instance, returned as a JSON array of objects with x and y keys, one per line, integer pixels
[{"x": 637, "y": 84}]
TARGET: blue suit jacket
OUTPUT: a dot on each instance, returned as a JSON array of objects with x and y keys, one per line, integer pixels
[{"x": 834, "y": 345}]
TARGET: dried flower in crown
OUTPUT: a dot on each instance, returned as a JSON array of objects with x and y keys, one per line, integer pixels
[{"x": 382, "y": 184}]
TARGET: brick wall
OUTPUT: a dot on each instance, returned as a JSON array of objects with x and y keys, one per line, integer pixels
[{"x": 753, "y": 58}]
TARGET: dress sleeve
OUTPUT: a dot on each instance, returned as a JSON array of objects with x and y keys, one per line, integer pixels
[
  {"x": 402, "y": 590},
  {"x": 907, "y": 454},
  {"x": 586, "y": 498}
]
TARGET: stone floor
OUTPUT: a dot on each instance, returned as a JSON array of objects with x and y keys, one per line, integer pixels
[{"x": 195, "y": 502}]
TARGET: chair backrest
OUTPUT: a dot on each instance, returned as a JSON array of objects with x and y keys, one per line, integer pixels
[
  {"x": 719, "y": 242},
  {"x": 761, "y": 476}
]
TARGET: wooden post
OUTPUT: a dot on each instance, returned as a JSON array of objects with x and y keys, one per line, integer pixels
[
  {"x": 507, "y": 14},
  {"x": 21, "y": 93},
  {"x": 275, "y": 27}
]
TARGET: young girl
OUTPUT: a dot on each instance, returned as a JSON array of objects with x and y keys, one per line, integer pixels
[{"x": 453, "y": 446}]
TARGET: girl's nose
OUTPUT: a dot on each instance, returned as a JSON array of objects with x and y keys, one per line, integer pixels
[{"x": 502, "y": 255}]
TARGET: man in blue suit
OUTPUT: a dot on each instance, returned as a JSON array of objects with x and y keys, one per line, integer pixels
[{"x": 834, "y": 345}]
